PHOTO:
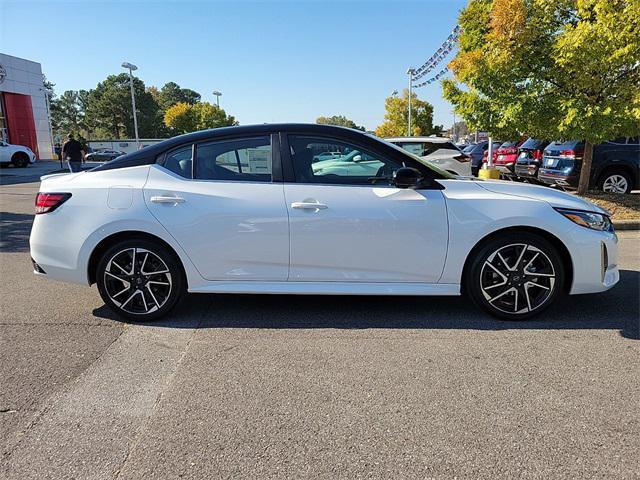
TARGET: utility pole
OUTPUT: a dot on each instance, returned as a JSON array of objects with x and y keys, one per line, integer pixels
[
  {"x": 410, "y": 72},
  {"x": 132, "y": 67}
]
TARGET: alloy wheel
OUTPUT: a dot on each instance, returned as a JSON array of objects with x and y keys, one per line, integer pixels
[
  {"x": 137, "y": 281},
  {"x": 615, "y": 184},
  {"x": 517, "y": 278}
]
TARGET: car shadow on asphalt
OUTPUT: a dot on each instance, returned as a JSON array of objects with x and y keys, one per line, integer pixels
[
  {"x": 617, "y": 309},
  {"x": 15, "y": 229}
]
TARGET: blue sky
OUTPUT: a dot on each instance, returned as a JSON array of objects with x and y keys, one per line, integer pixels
[{"x": 273, "y": 61}]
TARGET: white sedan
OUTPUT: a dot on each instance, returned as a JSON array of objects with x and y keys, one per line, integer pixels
[
  {"x": 17, "y": 155},
  {"x": 243, "y": 210}
]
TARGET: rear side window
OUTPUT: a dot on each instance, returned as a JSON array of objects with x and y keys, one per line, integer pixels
[
  {"x": 179, "y": 161},
  {"x": 412, "y": 147},
  {"x": 245, "y": 160},
  {"x": 432, "y": 147}
]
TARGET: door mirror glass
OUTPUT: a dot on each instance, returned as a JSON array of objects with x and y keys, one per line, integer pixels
[
  {"x": 407, "y": 177},
  {"x": 357, "y": 158}
]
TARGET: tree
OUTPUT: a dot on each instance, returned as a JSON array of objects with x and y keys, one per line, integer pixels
[
  {"x": 397, "y": 112},
  {"x": 185, "y": 118},
  {"x": 67, "y": 115},
  {"x": 109, "y": 109},
  {"x": 340, "y": 121},
  {"x": 551, "y": 68},
  {"x": 171, "y": 93}
]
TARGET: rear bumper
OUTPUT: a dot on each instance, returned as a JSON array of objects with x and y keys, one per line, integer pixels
[
  {"x": 554, "y": 177},
  {"x": 526, "y": 171}
]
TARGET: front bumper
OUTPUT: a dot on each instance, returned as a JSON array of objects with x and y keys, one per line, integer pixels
[{"x": 595, "y": 261}]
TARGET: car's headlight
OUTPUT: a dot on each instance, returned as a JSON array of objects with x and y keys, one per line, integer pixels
[{"x": 592, "y": 220}]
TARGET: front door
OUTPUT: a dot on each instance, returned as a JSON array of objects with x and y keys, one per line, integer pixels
[
  {"x": 225, "y": 210},
  {"x": 352, "y": 225}
]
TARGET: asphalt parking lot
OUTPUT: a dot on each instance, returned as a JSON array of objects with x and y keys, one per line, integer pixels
[{"x": 311, "y": 387}]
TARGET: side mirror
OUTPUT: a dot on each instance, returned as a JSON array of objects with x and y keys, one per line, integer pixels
[
  {"x": 407, "y": 177},
  {"x": 357, "y": 158}
]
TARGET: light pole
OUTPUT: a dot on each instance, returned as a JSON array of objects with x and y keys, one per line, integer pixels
[
  {"x": 217, "y": 95},
  {"x": 410, "y": 72},
  {"x": 131, "y": 68}
]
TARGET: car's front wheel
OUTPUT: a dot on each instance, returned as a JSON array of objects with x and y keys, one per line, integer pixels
[
  {"x": 140, "y": 280},
  {"x": 515, "y": 276}
]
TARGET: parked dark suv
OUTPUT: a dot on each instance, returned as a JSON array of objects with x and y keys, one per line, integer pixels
[
  {"x": 476, "y": 151},
  {"x": 615, "y": 166},
  {"x": 530, "y": 158}
]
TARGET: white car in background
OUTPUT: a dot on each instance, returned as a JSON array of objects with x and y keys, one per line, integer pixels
[
  {"x": 18, "y": 155},
  {"x": 438, "y": 151}
]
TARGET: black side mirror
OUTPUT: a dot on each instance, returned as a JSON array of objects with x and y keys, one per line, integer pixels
[{"x": 407, "y": 177}]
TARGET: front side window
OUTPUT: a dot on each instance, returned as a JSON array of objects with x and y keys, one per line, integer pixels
[
  {"x": 416, "y": 148},
  {"x": 245, "y": 160},
  {"x": 351, "y": 165}
]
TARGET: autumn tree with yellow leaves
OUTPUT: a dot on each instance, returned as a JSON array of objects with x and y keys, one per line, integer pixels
[{"x": 557, "y": 69}]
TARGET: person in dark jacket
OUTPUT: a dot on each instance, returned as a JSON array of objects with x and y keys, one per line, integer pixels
[{"x": 73, "y": 152}]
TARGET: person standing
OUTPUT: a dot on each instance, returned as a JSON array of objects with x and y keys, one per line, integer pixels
[{"x": 72, "y": 152}]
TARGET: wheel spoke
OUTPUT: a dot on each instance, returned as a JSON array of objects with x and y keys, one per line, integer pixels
[
  {"x": 500, "y": 295},
  {"x": 526, "y": 294},
  {"x": 144, "y": 262},
  {"x": 155, "y": 300},
  {"x": 116, "y": 277},
  {"x": 524, "y": 249},
  {"x": 144, "y": 301},
  {"x": 122, "y": 305},
  {"x": 534, "y": 284},
  {"x": 154, "y": 273},
  {"x": 122, "y": 269}
]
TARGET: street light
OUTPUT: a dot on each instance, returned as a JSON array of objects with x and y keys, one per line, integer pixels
[
  {"x": 131, "y": 68},
  {"x": 410, "y": 72},
  {"x": 217, "y": 95},
  {"x": 394, "y": 93}
]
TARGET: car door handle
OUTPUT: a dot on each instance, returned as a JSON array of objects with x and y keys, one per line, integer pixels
[
  {"x": 308, "y": 206},
  {"x": 166, "y": 199}
]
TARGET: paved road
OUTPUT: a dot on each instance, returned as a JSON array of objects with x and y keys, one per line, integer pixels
[{"x": 311, "y": 387}]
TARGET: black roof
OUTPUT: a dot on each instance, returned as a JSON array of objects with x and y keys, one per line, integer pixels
[{"x": 148, "y": 154}]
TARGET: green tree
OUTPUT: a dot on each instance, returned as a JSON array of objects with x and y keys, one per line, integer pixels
[
  {"x": 171, "y": 93},
  {"x": 339, "y": 120},
  {"x": 109, "y": 109},
  {"x": 184, "y": 117},
  {"x": 67, "y": 115},
  {"x": 551, "y": 68},
  {"x": 396, "y": 121}
]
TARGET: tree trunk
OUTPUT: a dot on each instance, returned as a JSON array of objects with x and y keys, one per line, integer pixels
[{"x": 585, "y": 172}]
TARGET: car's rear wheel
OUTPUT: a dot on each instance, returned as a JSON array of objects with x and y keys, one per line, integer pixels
[
  {"x": 140, "y": 280},
  {"x": 20, "y": 160},
  {"x": 615, "y": 181},
  {"x": 514, "y": 277}
]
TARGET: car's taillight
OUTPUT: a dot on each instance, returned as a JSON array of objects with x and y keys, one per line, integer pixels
[
  {"x": 568, "y": 153},
  {"x": 462, "y": 157},
  {"x": 48, "y": 202},
  {"x": 537, "y": 155}
]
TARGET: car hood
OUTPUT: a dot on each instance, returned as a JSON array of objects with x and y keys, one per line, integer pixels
[{"x": 553, "y": 197}]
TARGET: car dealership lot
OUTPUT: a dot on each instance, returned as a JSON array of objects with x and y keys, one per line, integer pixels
[{"x": 332, "y": 387}]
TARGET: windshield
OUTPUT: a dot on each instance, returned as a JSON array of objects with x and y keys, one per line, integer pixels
[{"x": 442, "y": 173}]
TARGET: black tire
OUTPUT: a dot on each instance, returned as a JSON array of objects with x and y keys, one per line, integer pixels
[
  {"x": 537, "y": 276},
  {"x": 20, "y": 160},
  {"x": 615, "y": 177},
  {"x": 143, "y": 295}
]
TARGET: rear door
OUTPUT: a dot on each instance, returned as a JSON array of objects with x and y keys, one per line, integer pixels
[{"x": 219, "y": 200}]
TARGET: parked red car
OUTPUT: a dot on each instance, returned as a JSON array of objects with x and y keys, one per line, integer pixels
[{"x": 505, "y": 157}]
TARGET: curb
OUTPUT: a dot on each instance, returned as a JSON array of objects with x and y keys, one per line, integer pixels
[{"x": 626, "y": 225}]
